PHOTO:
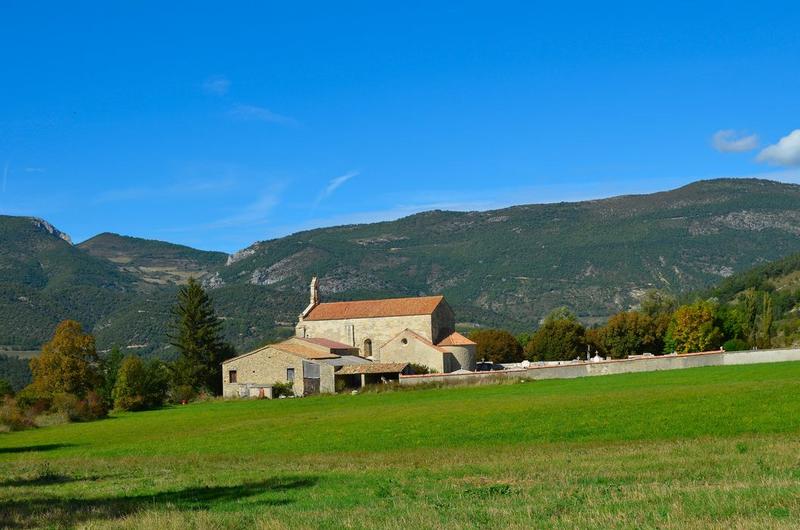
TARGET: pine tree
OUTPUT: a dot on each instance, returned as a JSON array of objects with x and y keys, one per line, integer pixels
[{"x": 196, "y": 333}]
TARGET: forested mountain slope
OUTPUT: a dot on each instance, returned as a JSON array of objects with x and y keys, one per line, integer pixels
[{"x": 505, "y": 267}]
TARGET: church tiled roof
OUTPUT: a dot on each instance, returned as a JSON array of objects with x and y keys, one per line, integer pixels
[
  {"x": 391, "y": 307},
  {"x": 455, "y": 339}
]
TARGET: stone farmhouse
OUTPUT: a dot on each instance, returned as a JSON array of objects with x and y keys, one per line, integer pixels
[{"x": 352, "y": 344}]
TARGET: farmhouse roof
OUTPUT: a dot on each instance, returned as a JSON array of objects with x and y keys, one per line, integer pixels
[
  {"x": 390, "y": 307},
  {"x": 327, "y": 343},
  {"x": 306, "y": 351},
  {"x": 455, "y": 339},
  {"x": 372, "y": 368}
]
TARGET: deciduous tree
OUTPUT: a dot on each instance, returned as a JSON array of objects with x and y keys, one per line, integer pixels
[
  {"x": 630, "y": 333},
  {"x": 140, "y": 385},
  {"x": 561, "y": 337},
  {"x": 497, "y": 346},
  {"x": 67, "y": 364},
  {"x": 693, "y": 329}
]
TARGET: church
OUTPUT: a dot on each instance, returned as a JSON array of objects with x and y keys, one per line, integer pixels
[{"x": 366, "y": 340}]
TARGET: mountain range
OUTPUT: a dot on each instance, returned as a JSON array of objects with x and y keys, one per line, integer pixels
[{"x": 506, "y": 267}]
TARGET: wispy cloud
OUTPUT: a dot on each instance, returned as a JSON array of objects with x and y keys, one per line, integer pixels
[
  {"x": 164, "y": 192},
  {"x": 731, "y": 141},
  {"x": 255, "y": 213},
  {"x": 34, "y": 170},
  {"x": 251, "y": 214},
  {"x": 785, "y": 153},
  {"x": 217, "y": 85},
  {"x": 256, "y": 113},
  {"x": 334, "y": 184}
]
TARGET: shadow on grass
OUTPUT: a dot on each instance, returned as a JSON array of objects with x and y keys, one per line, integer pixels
[
  {"x": 63, "y": 511},
  {"x": 41, "y": 480},
  {"x": 33, "y": 448}
]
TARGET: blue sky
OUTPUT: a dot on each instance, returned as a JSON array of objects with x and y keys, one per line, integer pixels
[{"x": 219, "y": 124}]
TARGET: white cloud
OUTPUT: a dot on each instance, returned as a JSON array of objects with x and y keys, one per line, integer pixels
[
  {"x": 34, "y": 170},
  {"x": 731, "y": 141},
  {"x": 333, "y": 185},
  {"x": 785, "y": 153},
  {"x": 255, "y": 113},
  {"x": 217, "y": 85}
]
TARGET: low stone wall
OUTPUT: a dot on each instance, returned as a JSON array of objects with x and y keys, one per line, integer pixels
[{"x": 613, "y": 366}]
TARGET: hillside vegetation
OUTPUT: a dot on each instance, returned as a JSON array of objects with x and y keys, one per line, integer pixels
[
  {"x": 701, "y": 448},
  {"x": 506, "y": 268}
]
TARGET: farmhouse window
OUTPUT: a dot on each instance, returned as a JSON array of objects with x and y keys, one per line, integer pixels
[
  {"x": 232, "y": 376},
  {"x": 290, "y": 374}
]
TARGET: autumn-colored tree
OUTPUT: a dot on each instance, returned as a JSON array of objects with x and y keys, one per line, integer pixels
[
  {"x": 630, "y": 333},
  {"x": 561, "y": 337},
  {"x": 693, "y": 329},
  {"x": 67, "y": 364},
  {"x": 497, "y": 346}
]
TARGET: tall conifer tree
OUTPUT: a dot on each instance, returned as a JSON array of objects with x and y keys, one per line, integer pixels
[{"x": 197, "y": 335}]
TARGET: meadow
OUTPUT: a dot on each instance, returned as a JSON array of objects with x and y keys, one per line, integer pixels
[{"x": 699, "y": 448}]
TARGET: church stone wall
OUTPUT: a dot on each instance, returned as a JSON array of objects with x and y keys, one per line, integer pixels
[
  {"x": 357, "y": 330},
  {"x": 413, "y": 351},
  {"x": 443, "y": 322},
  {"x": 460, "y": 358}
]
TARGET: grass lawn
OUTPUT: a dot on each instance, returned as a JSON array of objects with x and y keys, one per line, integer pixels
[{"x": 702, "y": 448}]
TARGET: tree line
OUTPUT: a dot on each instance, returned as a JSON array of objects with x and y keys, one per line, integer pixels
[
  {"x": 660, "y": 325},
  {"x": 70, "y": 378}
]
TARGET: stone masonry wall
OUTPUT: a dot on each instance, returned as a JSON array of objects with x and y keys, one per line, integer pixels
[
  {"x": 265, "y": 367},
  {"x": 378, "y": 330},
  {"x": 413, "y": 351},
  {"x": 621, "y": 366}
]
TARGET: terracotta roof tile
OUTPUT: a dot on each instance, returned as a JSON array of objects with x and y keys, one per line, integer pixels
[
  {"x": 372, "y": 368},
  {"x": 391, "y": 307},
  {"x": 455, "y": 339},
  {"x": 301, "y": 350},
  {"x": 328, "y": 343}
]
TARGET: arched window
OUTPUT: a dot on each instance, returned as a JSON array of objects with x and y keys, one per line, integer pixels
[{"x": 367, "y": 348}]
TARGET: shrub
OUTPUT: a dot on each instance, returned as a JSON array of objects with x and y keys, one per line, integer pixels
[
  {"x": 5, "y": 388},
  {"x": 183, "y": 394},
  {"x": 419, "y": 369},
  {"x": 13, "y": 416},
  {"x": 282, "y": 389},
  {"x": 736, "y": 345},
  {"x": 30, "y": 398},
  {"x": 87, "y": 409}
]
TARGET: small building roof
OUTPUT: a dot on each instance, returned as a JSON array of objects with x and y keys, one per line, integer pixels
[
  {"x": 390, "y": 307},
  {"x": 372, "y": 368},
  {"x": 306, "y": 351},
  {"x": 345, "y": 360},
  {"x": 328, "y": 343},
  {"x": 455, "y": 339}
]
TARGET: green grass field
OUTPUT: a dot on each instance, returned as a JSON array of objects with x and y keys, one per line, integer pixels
[{"x": 701, "y": 448}]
